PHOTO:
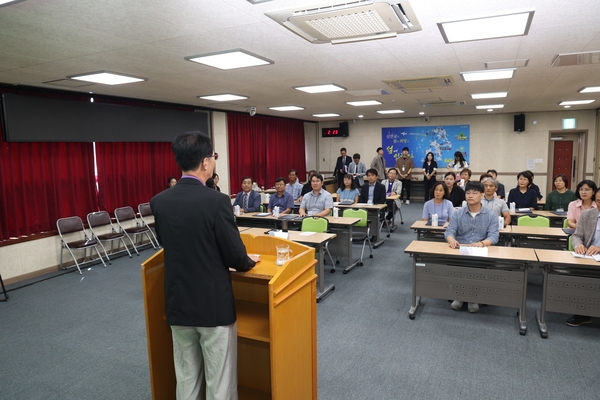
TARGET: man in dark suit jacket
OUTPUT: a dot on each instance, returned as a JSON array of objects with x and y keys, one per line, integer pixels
[
  {"x": 378, "y": 195},
  {"x": 341, "y": 167},
  {"x": 201, "y": 242},
  {"x": 252, "y": 202}
]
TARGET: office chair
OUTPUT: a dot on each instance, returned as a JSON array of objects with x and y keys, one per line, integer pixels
[
  {"x": 319, "y": 225},
  {"x": 74, "y": 225}
]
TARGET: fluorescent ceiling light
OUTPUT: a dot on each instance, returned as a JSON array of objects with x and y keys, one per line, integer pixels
[
  {"x": 485, "y": 107},
  {"x": 590, "y": 89},
  {"x": 330, "y": 87},
  {"x": 422, "y": 113},
  {"x": 286, "y": 108},
  {"x": 364, "y": 103},
  {"x": 3, "y": 2},
  {"x": 575, "y": 102},
  {"x": 106, "y": 78},
  {"x": 390, "y": 111},
  {"x": 567, "y": 106},
  {"x": 486, "y": 28},
  {"x": 326, "y": 115},
  {"x": 230, "y": 59},
  {"x": 489, "y": 75},
  {"x": 490, "y": 110},
  {"x": 223, "y": 97},
  {"x": 494, "y": 95}
]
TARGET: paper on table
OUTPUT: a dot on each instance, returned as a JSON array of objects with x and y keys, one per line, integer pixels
[
  {"x": 473, "y": 251},
  {"x": 306, "y": 233},
  {"x": 595, "y": 257}
]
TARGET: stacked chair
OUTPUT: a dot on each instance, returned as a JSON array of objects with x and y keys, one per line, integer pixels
[{"x": 72, "y": 225}]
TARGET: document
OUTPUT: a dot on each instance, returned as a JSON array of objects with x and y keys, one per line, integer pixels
[
  {"x": 473, "y": 251},
  {"x": 595, "y": 257},
  {"x": 306, "y": 233}
]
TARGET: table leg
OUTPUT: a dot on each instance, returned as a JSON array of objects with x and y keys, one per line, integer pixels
[
  {"x": 415, "y": 299},
  {"x": 522, "y": 311},
  {"x": 320, "y": 270},
  {"x": 541, "y": 314},
  {"x": 393, "y": 227}
]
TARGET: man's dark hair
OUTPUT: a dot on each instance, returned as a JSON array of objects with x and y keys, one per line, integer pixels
[
  {"x": 405, "y": 148},
  {"x": 280, "y": 179},
  {"x": 356, "y": 155},
  {"x": 247, "y": 177},
  {"x": 372, "y": 171},
  {"x": 292, "y": 170},
  {"x": 343, "y": 149},
  {"x": 474, "y": 185},
  {"x": 379, "y": 148},
  {"x": 492, "y": 171},
  {"x": 317, "y": 175},
  {"x": 190, "y": 149}
]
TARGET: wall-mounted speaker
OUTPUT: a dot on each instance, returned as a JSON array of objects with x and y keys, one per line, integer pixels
[
  {"x": 344, "y": 129},
  {"x": 520, "y": 123}
]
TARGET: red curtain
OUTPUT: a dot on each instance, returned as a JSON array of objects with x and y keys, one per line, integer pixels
[
  {"x": 131, "y": 173},
  {"x": 264, "y": 148},
  {"x": 42, "y": 182}
]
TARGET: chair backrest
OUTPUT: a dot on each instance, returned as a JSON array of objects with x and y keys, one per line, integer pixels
[
  {"x": 354, "y": 213},
  {"x": 315, "y": 224},
  {"x": 565, "y": 223},
  {"x": 144, "y": 209},
  {"x": 570, "y": 243},
  {"x": 124, "y": 214},
  {"x": 540, "y": 221},
  {"x": 98, "y": 218},
  {"x": 69, "y": 225}
]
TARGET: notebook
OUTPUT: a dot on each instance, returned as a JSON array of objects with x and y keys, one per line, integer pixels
[
  {"x": 346, "y": 202},
  {"x": 262, "y": 215},
  {"x": 289, "y": 216},
  {"x": 559, "y": 212},
  {"x": 569, "y": 231}
]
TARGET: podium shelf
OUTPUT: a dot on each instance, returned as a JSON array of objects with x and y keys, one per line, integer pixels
[{"x": 253, "y": 320}]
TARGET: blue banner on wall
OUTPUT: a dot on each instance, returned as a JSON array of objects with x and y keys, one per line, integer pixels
[{"x": 443, "y": 141}]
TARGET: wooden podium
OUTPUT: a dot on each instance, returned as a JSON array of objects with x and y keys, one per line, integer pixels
[{"x": 276, "y": 320}]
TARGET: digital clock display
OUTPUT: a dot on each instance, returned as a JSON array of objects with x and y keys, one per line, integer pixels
[{"x": 330, "y": 132}]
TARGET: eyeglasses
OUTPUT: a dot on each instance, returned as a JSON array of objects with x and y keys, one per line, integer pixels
[{"x": 215, "y": 155}]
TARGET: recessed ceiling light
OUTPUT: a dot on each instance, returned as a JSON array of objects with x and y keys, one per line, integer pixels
[
  {"x": 494, "y": 95},
  {"x": 326, "y": 115},
  {"x": 575, "y": 102},
  {"x": 286, "y": 108},
  {"x": 489, "y": 106},
  {"x": 390, "y": 111},
  {"x": 360, "y": 116},
  {"x": 330, "y": 87},
  {"x": 364, "y": 103},
  {"x": 223, "y": 97},
  {"x": 567, "y": 106},
  {"x": 106, "y": 78},
  {"x": 490, "y": 109},
  {"x": 422, "y": 113},
  {"x": 590, "y": 89},
  {"x": 471, "y": 76},
  {"x": 230, "y": 59},
  {"x": 487, "y": 27}
]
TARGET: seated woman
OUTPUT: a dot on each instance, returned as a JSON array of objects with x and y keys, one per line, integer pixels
[
  {"x": 585, "y": 241},
  {"x": 438, "y": 204},
  {"x": 584, "y": 193},
  {"x": 349, "y": 192},
  {"x": 522, "y": 195},
  {"x": 171, "y": 182},
  {"x": 215, "y": 178},
  {"x": 455, "y": 194},
  {"x": 559, "y": 199},
  {"x": 465, "y": 177}
]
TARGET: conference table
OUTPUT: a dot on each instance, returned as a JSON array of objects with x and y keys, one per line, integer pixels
[
  {"x": 499, "y": 278},
  {"x": 373, "y": 211},
  {"x": 539, "y": 237},
  {"x": 571, "y": 286},
  {"x": 436, "y": 233},
  {"x": 313, "y": 239}
]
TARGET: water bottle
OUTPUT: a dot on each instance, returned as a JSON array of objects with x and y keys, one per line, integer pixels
[
  {"x": 284, "y": 225},
  {"x": 500, "y": 223},
  {"x": 464, "y": 203},
  {"x": 434, "y": 220},
  {"x": 276, "y": 211},
  {"x": 336, "y": 212},
  {"x": 267, "y": 197},
  {"x": 236, "y": 210},
  {"x": 513, "y": 207}
]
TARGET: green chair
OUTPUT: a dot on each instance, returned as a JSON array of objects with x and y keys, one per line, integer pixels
[
  {"x": 364, "y": 230},
  {"x": 570, "y": 243},
  {"x": 540, "y": 221},
  {"x": 565, "y": 223},
  {"x": 319, "y": 225}
]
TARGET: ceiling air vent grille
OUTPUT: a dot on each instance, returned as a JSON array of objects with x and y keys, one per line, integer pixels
[
  {"x": 420, "y": 84},
  {"x": 341, "y": 22},
  {"x": 441, "y": 103}
]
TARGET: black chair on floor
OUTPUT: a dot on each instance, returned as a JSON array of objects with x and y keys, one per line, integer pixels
[
  {"x": 100, "y": 220},
  {"x": 126, "y": 214},
  {"x": 74, "y": 225}
]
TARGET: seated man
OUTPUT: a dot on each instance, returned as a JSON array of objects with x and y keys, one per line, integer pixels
[
  {"x": 294, "y": 187},
  {"x": 247, "y": 199},
  {"x": 473, "y": 225},
  {"x": 586, "y": 240},
  {"x": 392, "y": 186},
  {"x": 493, "y": 203},
  {"x": 281, "y": 199},
  {"x": 500, "y": 192},
  {"x": 317, "y": 202},
  {"x": 373, "y": 191},
  {"x": 307, "y": 187}
]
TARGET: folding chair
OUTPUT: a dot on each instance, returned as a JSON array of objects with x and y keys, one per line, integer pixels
[
  {"x": 99, "y": 220},
  {"x": 319, "y": 225},
  {"x": 145, "y": 211},
  {"x": 364, "y": 234},
  {"x": 73, "y": 225},
  {"x": 125, "y": 214},
  {"x": 384, "y": 222},
  {"x": 3, "y": 290}
]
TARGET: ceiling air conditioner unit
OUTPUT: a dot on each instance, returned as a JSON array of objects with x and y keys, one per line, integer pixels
[{"x": 351, "y": 21}]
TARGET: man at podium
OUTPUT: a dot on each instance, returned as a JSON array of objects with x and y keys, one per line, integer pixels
[{"x": 201, "y": 241}]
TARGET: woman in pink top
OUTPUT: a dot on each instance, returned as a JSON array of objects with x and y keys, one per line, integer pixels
[{"x": 585, "y": 200}]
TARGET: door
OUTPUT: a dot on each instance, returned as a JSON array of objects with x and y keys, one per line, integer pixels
[{"x": 563, "y": 160}]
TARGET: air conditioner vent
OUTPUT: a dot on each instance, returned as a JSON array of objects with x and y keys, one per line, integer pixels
[
  {"x": 351, "y": 21},
  {"x": 441, "y": 103},
  {"x": 420, "y": 84}
]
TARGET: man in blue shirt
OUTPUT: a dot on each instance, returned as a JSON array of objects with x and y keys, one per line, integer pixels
[
  {"x": 294, "y": 188},
  {"x": 281, "y": 199},
  {"x": 474, "y": 226},
  {"x": 247, "y": 199}
]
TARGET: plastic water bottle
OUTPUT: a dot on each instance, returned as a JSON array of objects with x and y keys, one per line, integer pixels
[
  {"x": 500, "y": 223},
  {"x": 336, "y": 212},
  {"x": 464, "y": 203},
  {"x": 513, "y": 207},
  {"x": 236, "y": 210},
  {"x": 434, "y": 220},
  {"x": 276, "y": 211},
  {"x": 267, "y": 197}
]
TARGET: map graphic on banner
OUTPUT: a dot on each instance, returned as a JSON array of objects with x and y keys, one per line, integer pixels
[{"x": 443, "y": 141}]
